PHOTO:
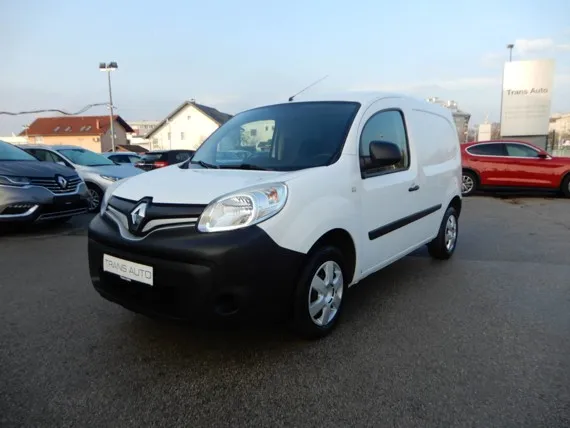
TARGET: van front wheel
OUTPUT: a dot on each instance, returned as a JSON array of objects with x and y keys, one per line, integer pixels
[
  {"x": 318, "y": 299},
  {"x": 443, "y": 246}
]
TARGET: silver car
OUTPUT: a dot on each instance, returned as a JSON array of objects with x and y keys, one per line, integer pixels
[
  {"x": 96, "y": 170},
  {"x": 33, "y": 191}
]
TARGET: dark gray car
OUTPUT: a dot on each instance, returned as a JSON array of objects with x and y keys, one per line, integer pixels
[{"x": 33, "y": 191}]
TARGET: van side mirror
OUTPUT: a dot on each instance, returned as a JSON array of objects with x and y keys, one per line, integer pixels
[{"x": 384, "y": 153}]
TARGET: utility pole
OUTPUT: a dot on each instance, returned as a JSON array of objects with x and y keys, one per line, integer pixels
[
  {"x": 510, "y": 47},
  {"x": 108, "y": 68}
]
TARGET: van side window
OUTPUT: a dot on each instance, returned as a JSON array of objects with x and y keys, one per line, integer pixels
[{"x": 385, "y": 126}]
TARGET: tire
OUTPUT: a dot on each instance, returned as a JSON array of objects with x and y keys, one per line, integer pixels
[
  {"x": 322, "y": 262},
  {"x": 94, "y": 192},
  {"x": 566, "y": 186},
  {"x": 440, "y": 248},
  {"x": 468, "y": 183}
]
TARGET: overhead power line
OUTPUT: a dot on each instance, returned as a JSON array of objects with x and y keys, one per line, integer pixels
[{"x": 84, "y": 109}]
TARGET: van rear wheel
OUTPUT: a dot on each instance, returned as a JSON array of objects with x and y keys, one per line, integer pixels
[
  {"x": 318, "y": 299},
  {"x": 443, "y": 246}
]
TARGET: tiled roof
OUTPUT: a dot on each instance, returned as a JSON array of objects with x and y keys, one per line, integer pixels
[
  {"x": 72, "y": 126},
  {"x": 216, "y": 115}
]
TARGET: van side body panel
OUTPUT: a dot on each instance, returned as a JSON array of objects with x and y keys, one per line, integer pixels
[{"x": 337, "y": 197}]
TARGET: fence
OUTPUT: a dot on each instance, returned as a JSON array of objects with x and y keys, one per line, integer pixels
[{"x": 554, "y": 145}]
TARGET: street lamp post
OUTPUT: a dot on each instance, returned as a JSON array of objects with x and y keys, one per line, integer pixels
[
  {"x": 510, "y": 47},
  {"x": 111, "y": 66}
]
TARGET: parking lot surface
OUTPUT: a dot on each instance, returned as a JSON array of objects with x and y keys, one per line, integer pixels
[{"x": 480, "y": 341}]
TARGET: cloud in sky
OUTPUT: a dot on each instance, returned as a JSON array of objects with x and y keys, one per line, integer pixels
[
  {"x": 525, "y": 46},
  {"x": 449, "y": 84}
]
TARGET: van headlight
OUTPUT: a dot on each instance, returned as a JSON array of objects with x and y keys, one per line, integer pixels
[{"x": 243, "y": 208}]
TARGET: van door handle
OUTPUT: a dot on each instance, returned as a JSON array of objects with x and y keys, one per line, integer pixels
[{"x": 414, "y": 188}]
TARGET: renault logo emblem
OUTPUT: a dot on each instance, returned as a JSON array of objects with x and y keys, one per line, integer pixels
[
  {"x": 138, "y": 215},
  {"x": 61, "y": 181}
]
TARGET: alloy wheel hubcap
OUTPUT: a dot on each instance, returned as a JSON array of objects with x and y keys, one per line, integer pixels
[
  {"x": 466, "y": 184},
  {"x": 93, "y": 199},
  {"x": 450, "y": 233},
  {"x": 325, "y": 293}
]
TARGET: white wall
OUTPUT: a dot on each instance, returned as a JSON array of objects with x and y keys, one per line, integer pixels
[
  {"x": 195, "y": 125},
  {"x": 485, "y": 132},
  {"x": 14, "y": 139}
]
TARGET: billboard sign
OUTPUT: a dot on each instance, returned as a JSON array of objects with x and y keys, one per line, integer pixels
[{"x": 527, "y": 97}]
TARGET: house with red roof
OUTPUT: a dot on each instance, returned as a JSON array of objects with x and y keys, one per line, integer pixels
[{"x": 90, "y": 132}]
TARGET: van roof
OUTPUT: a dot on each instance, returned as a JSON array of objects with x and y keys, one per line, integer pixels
[{"x": 367, "y": 98}]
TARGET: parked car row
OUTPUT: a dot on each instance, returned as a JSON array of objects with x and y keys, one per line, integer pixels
[
  {"x": 42, "y": 182},
  {"x": 35, "y": 191}
]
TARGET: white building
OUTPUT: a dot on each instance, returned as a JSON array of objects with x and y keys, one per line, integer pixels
[
  {"x": 560, "y": 124},
  {"x": 14, "y": 139},
  {"x": 141, "y": 128},
  {"x": 460, "y": 117},
  {"x": 186, "y": 127}
]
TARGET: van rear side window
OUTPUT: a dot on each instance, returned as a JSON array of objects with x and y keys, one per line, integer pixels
[{"x": 385, "y": 126}]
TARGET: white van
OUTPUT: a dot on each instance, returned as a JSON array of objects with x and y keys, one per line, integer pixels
[{"x": 348, "y": 185}]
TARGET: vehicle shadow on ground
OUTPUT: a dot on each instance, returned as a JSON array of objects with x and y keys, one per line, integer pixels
[
  {"x": 75, "y": 226},
  {"x": 367, "y": 299},
  {"x": 518, "y": 195}
]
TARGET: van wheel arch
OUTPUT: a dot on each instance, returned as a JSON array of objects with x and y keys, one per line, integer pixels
[
  {"x": 341, "y": 239},
  {"x": 457, "y": 204}
]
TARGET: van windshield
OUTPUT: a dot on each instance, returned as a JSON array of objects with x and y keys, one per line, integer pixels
[{"x": 284, "y": 137}]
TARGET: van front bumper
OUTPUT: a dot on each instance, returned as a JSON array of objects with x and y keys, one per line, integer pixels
[{"x": 237, "y": 275}]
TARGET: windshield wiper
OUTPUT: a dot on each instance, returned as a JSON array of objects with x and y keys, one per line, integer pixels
[
  {"x": 246, "y": 166},
  {"x": 205, "y": 164}
]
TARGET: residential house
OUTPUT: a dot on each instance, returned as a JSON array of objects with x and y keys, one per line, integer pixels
[
  {"x": 90, "y": 132},
  {"x": 186, "y": 127}
]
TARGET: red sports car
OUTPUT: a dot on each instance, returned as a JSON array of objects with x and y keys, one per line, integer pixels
[{"x": 512, "y": 165}]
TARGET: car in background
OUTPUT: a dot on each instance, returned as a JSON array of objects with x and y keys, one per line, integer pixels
[
  {"x": 512, "y": 165},
  {"x": 96, "y": 170},
  {"x": 33, "y": 191},
  {"x": 161, "y": 158},
  {"x": 123, "y": 157}
]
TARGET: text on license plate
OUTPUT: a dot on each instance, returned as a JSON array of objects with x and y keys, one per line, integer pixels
[{"x": 128, "y": 270}]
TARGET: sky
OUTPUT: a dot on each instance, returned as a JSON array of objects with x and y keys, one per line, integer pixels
[{"x": 234, "y": 55}]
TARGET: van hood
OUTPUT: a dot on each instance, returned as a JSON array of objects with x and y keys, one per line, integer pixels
[
  {"x": 174, "y": 185},
  {"x": 34, "y": 169},
  {"x": 113, "y": 170}
]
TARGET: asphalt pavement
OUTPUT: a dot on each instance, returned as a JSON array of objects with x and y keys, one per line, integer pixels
[{"x": 482, "y": 340}]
